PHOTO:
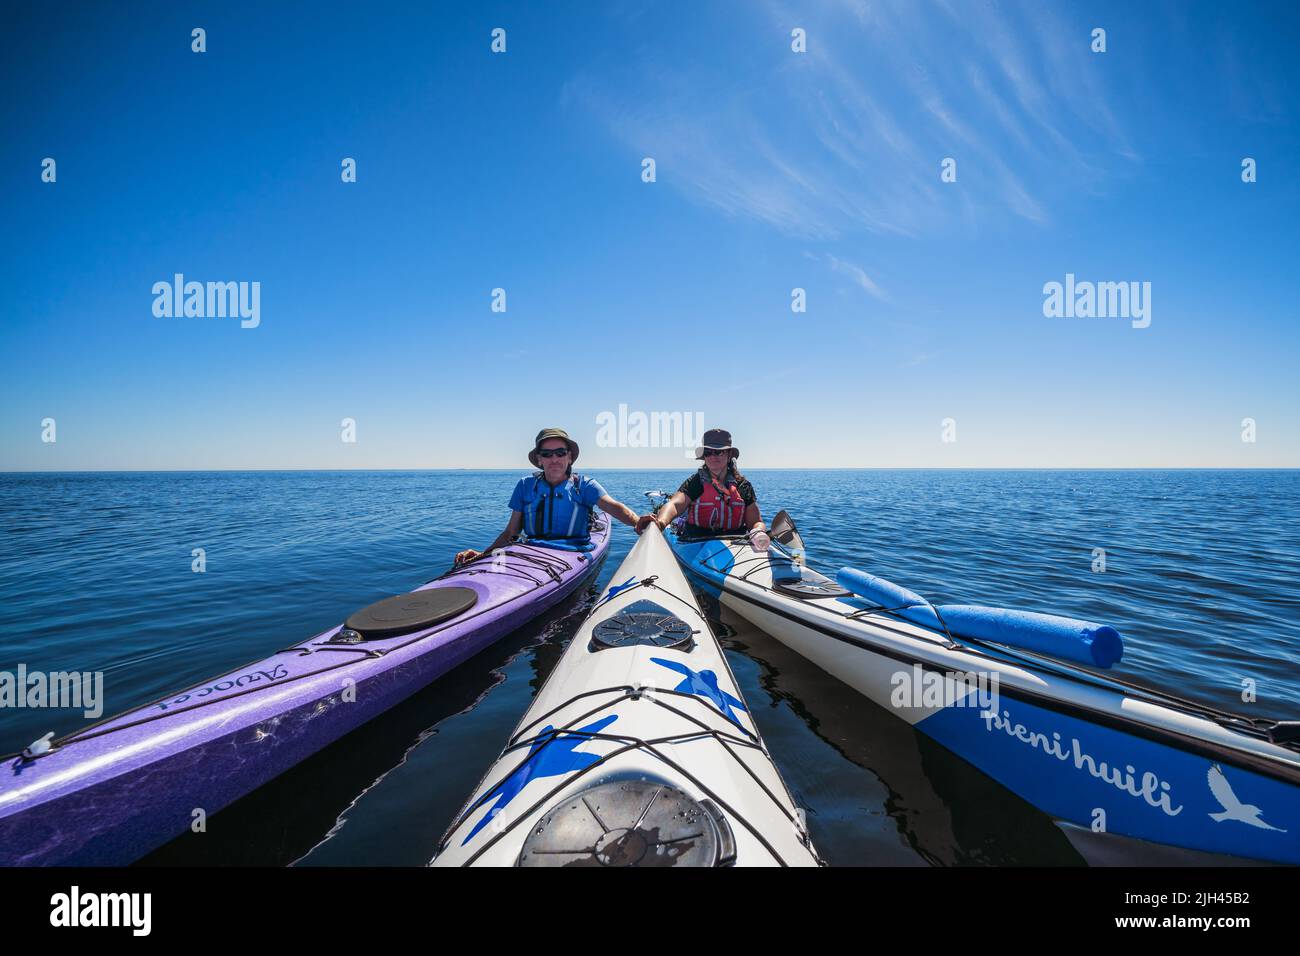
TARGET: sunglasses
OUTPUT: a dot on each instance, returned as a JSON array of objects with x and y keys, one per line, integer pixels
[
  {"x": 552, "y": 452},
  {"x": 714, "y": 452}
]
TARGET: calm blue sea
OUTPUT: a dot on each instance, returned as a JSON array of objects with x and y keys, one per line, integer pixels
[{"x": 1202, "y": 577}]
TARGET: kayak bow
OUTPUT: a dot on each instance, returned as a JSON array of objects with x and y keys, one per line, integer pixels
[{"x": 637, "y": 751}]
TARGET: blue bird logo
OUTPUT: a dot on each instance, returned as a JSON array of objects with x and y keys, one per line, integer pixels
[
  {"x": 704, "y": 684},
  {"x": 614, "y": 589},
  {"x": 551, "y": 755}
]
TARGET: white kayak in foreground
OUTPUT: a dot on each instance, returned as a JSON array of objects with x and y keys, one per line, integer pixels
[
  {"x": 1110, "y": 758},
  {"x": 638, "y": 751}
]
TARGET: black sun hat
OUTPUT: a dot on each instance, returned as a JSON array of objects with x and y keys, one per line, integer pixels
[{"x": 717, "y": 438}]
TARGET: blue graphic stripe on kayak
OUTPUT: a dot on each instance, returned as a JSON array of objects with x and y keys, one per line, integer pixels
[
  {"x": 551, "y": 755},
  {"x": 704, "y": 684}
]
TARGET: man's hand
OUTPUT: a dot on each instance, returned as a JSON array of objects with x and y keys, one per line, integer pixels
[{"x": 645, "y": 521}]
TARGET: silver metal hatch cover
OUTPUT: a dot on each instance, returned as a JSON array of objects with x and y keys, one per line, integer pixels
[{"x": 630, "y": 823}]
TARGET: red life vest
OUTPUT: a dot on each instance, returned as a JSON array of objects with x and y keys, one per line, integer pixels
[{"x": 717, "y": 508}]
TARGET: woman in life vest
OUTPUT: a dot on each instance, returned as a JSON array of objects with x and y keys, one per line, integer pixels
[
  {"x": 553, "y": 506},
  {"x": 717, "y": 499}
]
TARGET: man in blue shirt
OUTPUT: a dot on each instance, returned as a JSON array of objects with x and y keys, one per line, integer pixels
[{"x": 554, "y": 505}]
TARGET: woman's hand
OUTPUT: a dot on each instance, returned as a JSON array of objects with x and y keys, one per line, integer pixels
[
  {"x": 469, "y": 554},
  {"x": 644, "y": 522}
]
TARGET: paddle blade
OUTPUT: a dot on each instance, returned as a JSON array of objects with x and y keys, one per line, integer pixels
[{"x": 784, "y": 533}]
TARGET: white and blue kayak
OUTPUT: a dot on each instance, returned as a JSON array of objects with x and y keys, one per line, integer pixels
[
  {"x": 1018, "y": 695},
  {"x": 639, "y": 749}
]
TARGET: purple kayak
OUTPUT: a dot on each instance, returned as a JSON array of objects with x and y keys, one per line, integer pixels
[{"x": 110, "y": 793}]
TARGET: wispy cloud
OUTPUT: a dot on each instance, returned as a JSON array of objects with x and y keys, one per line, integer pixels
[
  {"x": 848, "y": 137},
  {"x": 769, "y": 375},
  {"x": 857, "y": 274},
  {"x": 919, "y": 358}
]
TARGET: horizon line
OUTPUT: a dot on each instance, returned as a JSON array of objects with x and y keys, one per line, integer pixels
[{"x": 167, "y": 471}]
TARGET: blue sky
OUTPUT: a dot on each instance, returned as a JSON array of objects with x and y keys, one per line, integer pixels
[{"x": 775, "y": 170}]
